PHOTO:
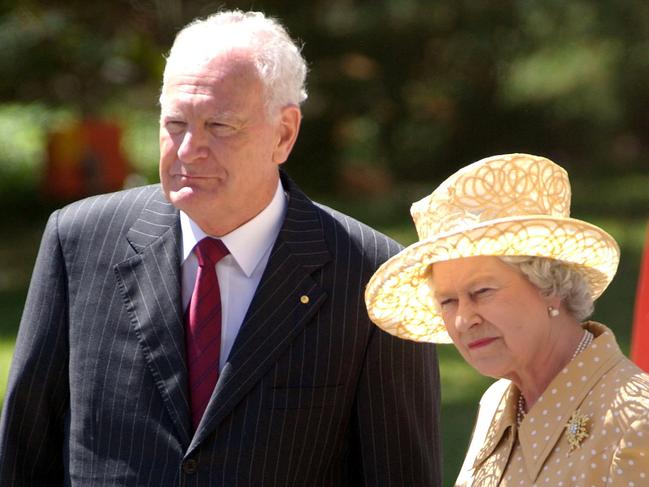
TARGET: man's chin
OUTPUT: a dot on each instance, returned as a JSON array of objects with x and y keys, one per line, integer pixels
[{"x": 183, "y": 198}]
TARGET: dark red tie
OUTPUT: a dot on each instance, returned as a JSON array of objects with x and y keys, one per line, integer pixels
[{"x": 203, "y": 327}]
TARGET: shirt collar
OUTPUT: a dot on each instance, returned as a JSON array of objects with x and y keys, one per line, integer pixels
[
  {"x": 504, "y": 418},
  {"x": 553, "y": 409},
  {"x": 249, "y": 242}
]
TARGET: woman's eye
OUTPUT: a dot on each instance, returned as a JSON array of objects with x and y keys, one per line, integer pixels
[
  {"x": 483, "y": 291},
  {"x": 445, "y": 303}
]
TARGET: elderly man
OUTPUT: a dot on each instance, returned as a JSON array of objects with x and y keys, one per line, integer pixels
[{"x": 211, "y": 330}]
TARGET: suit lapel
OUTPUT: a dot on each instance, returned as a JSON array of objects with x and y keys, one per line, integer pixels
[
  {"x": 285, "y": 301},
  {"x": 150, "y": 284}
]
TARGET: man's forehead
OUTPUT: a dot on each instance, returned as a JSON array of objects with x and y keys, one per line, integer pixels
[
  {"x": 192, "y": 83},
  {"x": 209, "y": 75},
  {"x": 218, "y": 62}
]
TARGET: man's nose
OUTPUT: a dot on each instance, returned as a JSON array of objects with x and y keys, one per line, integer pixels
[{"x": 193, "y": 147}]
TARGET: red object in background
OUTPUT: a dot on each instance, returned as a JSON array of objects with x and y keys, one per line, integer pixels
[
  {"x": 640, "y": 337},
  {"x": 84, "y": 159}
]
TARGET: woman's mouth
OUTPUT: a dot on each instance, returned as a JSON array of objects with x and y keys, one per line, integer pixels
[{"x": 481, "y": 342}]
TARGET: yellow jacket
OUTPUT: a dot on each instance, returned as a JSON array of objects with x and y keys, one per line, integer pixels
[{"x": 601, "y": 391}]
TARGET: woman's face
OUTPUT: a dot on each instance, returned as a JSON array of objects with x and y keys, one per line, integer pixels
[{"x": 497, "y": 319}]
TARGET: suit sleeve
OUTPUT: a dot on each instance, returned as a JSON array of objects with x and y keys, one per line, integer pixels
[
  {"x": 397, "y": 414},
  {"x": 36, "y": 401}
]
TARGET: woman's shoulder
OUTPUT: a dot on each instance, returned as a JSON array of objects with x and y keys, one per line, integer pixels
[
  {"x": 490, "y": 403},
  {"x": 626, "y": 376},
  {"x": 494, "y": 393},
  {"x": 628, "y": 386},
  {"x": 620, "y": 381}
]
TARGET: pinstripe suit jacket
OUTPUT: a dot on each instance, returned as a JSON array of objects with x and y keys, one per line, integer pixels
[{"x": 312, "y": 394}]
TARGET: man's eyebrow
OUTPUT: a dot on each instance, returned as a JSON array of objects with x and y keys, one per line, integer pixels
[
  {"x": 170, "y": 114},
  {"x": 226, "y": 115}
]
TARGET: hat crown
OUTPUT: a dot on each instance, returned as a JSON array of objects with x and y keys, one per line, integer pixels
[{"x": 513, "y": 185}]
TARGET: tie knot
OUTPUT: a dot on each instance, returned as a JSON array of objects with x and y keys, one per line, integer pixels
[{"x": 210, "y": 251}]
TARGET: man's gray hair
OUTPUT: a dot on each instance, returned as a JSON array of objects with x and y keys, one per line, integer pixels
[
  {"x": 277, "y": 58},
  {"x": 556, "y": 278}
]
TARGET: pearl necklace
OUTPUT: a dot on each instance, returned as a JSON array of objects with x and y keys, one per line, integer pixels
[{"x": 585, "y": 341}]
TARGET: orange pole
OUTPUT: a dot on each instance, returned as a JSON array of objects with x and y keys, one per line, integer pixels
[{"x": 640, "y": 336}]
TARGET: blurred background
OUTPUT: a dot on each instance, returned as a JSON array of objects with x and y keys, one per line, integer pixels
[{"x": 401, "y": 94}]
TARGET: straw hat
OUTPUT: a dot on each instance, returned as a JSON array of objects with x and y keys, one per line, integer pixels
[{"x": 515, "y": 205}]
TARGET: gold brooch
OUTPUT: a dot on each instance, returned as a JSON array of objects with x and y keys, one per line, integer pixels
[{"x": 577, "y": 429}]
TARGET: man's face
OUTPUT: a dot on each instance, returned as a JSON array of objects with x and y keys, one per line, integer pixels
[{"x": 219, "y": 150}]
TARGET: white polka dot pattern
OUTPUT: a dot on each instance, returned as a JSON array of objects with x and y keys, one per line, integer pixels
[{"x": 614, "y": 396}]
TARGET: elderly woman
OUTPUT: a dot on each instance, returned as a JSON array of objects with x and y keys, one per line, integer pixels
[{"x": 503, "y": 270}]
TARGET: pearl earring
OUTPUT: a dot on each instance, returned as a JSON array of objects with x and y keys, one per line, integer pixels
[{"x": 553, "y": 312}]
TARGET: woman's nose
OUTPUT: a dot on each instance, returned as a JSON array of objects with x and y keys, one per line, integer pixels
[{"x": 467, "y": 315}]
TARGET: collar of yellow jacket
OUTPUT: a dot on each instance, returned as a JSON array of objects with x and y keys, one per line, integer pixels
[{"x": 546, "y": 421}]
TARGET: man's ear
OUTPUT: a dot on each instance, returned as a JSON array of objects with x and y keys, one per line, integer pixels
[{"x": 288, "y": 128}]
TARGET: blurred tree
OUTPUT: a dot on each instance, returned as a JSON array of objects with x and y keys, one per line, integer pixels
[{"x": 398, "y": 89}]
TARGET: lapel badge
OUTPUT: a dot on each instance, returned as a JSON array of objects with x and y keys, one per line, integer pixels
[{"x": 577, "y": 429}]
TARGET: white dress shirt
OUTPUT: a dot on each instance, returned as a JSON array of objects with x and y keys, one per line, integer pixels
[{"x": 240, "y": 271}]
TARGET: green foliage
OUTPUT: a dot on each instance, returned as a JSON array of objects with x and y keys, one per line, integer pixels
[
  {"x": 140, "y": 139},
  {"x": 411, "y": 88},
  {"x": 24, "y": 139},
  {"x": 23, "y": 154}
]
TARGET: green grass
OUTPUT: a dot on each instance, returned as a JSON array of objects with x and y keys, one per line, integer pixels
[
  {"x": 6, "y": 350},
  {"x": 11, "y": 303},
  {"x": 461, "y": 385}
]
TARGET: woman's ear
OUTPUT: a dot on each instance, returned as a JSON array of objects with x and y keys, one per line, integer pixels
[{"x": 553, "y": 306}]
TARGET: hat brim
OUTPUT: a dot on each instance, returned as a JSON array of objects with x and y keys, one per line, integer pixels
[{"x": 399, "y": 298}]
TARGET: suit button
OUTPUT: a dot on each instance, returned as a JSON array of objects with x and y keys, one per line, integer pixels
[{"x": 190, "y": 466}]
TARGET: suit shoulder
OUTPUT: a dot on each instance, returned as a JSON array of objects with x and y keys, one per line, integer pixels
[
  {"x": 107, "y": 215},
  {"x": 125, "y": 203},
  {"x": 366, "y": 240}
]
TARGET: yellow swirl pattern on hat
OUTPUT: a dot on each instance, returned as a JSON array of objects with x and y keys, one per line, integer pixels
[{"x": 517, "y": 205}]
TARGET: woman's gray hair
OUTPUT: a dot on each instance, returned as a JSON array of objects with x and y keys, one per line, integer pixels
[
  {"x": 277, "y": 57},
  {"x": 555, "y": 278}
]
